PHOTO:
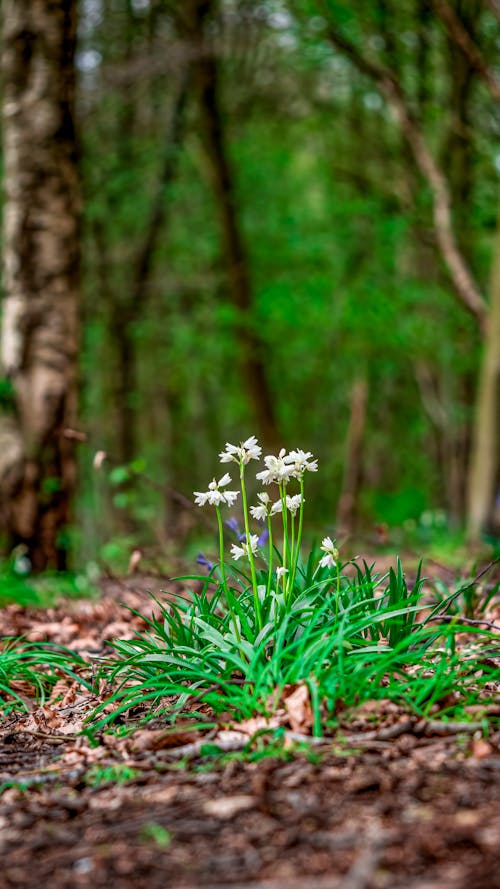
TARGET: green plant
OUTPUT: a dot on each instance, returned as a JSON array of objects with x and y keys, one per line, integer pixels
[
  {"x": 156, "y": 833},
  {"x": 118, "y": 773},
  {"x": 39, "y": 664},
  {"x": 336, "y": 626}
]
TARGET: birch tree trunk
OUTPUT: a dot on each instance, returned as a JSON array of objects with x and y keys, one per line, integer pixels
[
  {"x": 40, "y": 275},
  {"x": 484, "y": 472}
]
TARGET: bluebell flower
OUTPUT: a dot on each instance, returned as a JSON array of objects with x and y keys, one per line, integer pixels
[
  {"x": 201, "y": 560},
  {"x": 264, "y": 534},
  {"x": 233, "y": 525}
]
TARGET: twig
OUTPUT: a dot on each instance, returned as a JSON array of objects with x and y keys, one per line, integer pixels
[
  {"x": 435, "y": 727},
  {"x": 462, "y": 590},
  {"x": 464, "y": 620},
  {"x": 361, "y": 872},
  {"x": 385, "y": 734},
  {"x": 460, "y": 35},
  {"x": 48, "y": 736}
]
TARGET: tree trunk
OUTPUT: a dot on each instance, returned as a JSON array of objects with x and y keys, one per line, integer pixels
[
  {"x": 484, "y": 469},
  {"x": 41, "y": 244},
  {"x": 346, "y": 512},
  {"x": 197, "y": 12}
]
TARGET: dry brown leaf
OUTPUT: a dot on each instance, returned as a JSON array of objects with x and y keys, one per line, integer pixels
[
  {"x": 226, "y": 807},
  {"x": 256, "y": 724},
  {"x": 481, "y": 749},
  {"x": 158, "y": 739},
  {"x": 298, "y": 708}
]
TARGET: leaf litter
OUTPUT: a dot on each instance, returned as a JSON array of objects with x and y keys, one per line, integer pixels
[{"x": 390, "y": 799}]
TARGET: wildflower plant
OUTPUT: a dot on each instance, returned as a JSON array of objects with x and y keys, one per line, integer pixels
[
  {"x": 268, "y": 617},
  {"x": 281, "y": 471}
]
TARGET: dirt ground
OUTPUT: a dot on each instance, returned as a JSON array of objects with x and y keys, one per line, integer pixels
[{"x": 398, "y": 805}]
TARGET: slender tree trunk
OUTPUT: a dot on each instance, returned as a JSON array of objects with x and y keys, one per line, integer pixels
[
  {"x": 484, "y": 469},
  {"x": 237, "y": 262},
  {"x": 458, "y": 269},
  {"x": 41, "y": 244},
  {"x": 346, "y": 513}
]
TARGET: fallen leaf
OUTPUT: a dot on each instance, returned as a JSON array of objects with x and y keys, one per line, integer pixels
[
  {"x": 227, "y": 807},
  {"x": 481, "y": 749},
  {"x": 299, "y": 710}
]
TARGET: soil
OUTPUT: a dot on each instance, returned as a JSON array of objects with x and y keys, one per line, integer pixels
[{"x": 392, "y": 802}]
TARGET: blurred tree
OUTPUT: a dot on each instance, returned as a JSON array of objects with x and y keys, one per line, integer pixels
[
  {"x": 304, "y": 237},
  {"x": 483, "y": 511},
  {"x": 197, "y": 16},
  {"x": 41, "y": 259}
]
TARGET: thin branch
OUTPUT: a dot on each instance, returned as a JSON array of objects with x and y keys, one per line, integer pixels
[
  {"x": 460, "y": 274},
  {"x": 450, "y": 619},
  {"x": 172, "y": 142},
  {"x": 494, "y": 6},
  {"x": 448, "y": 602},
  {"x": 462, "y": 38}
]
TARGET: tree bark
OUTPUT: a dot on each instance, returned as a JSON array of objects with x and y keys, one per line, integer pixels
[
  {"x": 460, "y": 35},
  {"x": 460, "y": 274},
  {"x": 237, "y": 261},
  {"x": 346, "y": 512},
  {"x": 41, "y": 259},
  {"x": 483, "y": 479}
]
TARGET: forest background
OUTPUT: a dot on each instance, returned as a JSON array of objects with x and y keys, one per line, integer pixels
[{"x": 237, "y": 217}]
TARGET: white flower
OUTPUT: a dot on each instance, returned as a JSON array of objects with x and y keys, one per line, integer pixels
[
  {"x": 265, "y": 507},
  {"x": 280, "y": 572},
  {"x": 330, "y": 559},
  {"x": 301, "y": 461},
  {"x": 293, "y": 503},
  {"x": 238, "y": 551},
  {"x": 214, "y": 496},
  {"x": 278, "y": 470},
  {"x": 246, "y": 451},
  {"x": 261, "y": 511}
]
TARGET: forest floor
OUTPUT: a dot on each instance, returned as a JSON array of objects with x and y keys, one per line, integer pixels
[{"x": 391, "y": 801}]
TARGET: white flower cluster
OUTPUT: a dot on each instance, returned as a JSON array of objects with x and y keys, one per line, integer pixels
[
  {"x": 214, "y": 496},
  {"x": 243, "y": 550},
  {"x": 279, "y": 470},
  {"x": 265, "y": 508},
  {"x": 285, "y": 466},
  {"x": 246, "y": 451},
  {"x": 330, "y": 558}
]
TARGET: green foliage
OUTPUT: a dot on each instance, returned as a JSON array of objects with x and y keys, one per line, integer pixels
[
  {"x": 36, "y": 663},
  {"x": 43, "y": 591},
  {"x": 7, "y": 395},
  {"x": 364, "y": 643},
  {"x": 118, "y": 773},
  {"x": 156, "y": 833},
  {"x": 345, "y": 632},
  {"x": 338, "y": 229}
]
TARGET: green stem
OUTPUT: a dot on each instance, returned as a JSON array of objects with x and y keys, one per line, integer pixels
[
  {"x": 258, "y": 613},
  {"x": 299, "y": 534},
  {"x": 270, "y": 566},
  {"x": 337, "y": 602},
  {"x": 284, "y": 519},
  {"x": 223, "y": 573},
  {"x": 289, "y": 586}
]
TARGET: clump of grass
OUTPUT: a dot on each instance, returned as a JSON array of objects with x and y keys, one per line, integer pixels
[
  {"x": 35, "y": 665},
  {"x": 337, "y": 626}
]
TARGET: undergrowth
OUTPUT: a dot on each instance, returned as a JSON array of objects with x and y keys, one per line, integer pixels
[
  {"x": 239, "y": 640},
  {"x": 30, "y": 669}
]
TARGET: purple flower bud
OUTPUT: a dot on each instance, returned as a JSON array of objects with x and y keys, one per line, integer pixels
[
  {"x": 201, "y": 560},
  {"x": 233, "y": 525},
  {"x": 264, "y": 534}
]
